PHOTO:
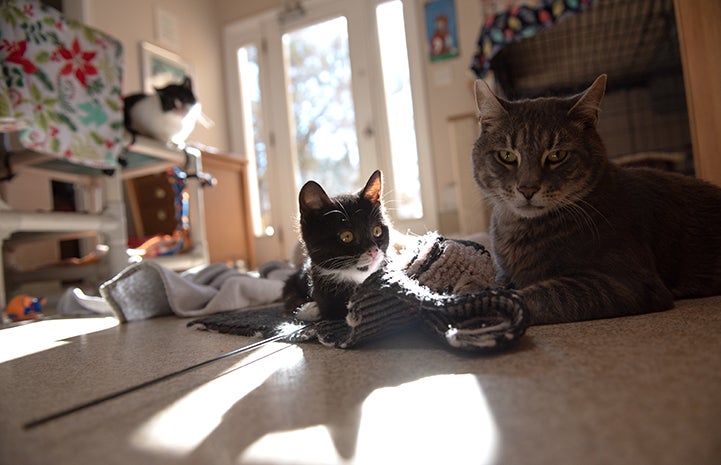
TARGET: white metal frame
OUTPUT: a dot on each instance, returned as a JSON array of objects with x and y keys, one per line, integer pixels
[
  {"x": 106, "y": 215},
  {"x": 110, "y": 222}
]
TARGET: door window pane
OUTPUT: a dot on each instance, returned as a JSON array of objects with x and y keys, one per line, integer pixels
[
  {"x": 323, "y": 116},
  {"x": 399, "y": 107},
  {"x": 255, "y": 146}
]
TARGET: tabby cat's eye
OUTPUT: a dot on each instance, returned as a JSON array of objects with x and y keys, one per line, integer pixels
[
  {"x": 377, "y": 231},
  {"x": 507, "y": 157},
  {"x": 558, "y": 156},
  {"x": 346, "y": 237}
]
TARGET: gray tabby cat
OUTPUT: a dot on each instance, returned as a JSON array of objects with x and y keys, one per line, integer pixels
[{"x": 579, "y": 237}]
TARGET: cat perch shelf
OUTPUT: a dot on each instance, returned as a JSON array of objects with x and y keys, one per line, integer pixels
[{"x": 105, "y": 216}]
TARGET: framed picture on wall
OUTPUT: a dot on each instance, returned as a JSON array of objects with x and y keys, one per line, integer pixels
[
  {"x": 161, "y": 67},
  {"x": 441, "y": 30}
]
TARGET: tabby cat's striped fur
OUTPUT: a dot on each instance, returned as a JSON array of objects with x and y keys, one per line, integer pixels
[{"x": 579, "y": 237}]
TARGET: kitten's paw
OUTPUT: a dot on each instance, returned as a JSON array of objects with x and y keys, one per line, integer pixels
[{"x": 309, "y": 311}]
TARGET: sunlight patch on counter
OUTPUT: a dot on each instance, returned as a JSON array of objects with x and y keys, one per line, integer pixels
[
  {"x": 181, "y": 427},
  {"x": 437, "y": 419},
  {"x": 434, "y": 420},
  {"x": 306, "y": 446},
  {"x": 37, "y": 336}
]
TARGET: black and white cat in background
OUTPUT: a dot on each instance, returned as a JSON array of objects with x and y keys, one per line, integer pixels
[
  {"x": 168, "y": 115},
  {"x": 346, "y": 238}
]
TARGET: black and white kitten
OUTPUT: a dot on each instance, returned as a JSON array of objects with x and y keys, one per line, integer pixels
[
  {"x": 346, "y": 238},
  {"x": 169, "y": 115}
]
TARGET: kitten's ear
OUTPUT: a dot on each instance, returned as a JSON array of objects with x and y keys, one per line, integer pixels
[
  {"x": 589, "y": 103},
  {"x": 374, "y": 187},
  {"x": 312, "y": 197},
  {"x": 489, "y": 106},
  {"x": 187, "y": 83}
]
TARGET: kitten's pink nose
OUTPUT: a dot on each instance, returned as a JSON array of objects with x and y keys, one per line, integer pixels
[
  {"x": 373, "y": 252},
  {"x": 527, "y": 191}
]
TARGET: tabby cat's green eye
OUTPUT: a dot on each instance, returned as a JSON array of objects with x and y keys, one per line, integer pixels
[
  {"x": 346, "y": 237},
  {"x": 377, "y": 231},
  {"x": 558, "y": 156},
  {"x": 507, "y": 157}
]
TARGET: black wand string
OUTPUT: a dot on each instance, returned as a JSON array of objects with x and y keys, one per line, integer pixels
[{"x": 41, "y": 421}]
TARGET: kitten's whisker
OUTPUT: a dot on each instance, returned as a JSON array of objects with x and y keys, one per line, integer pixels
[
  {"x": 340, "y": 204},
  {"x": 339, "y": 262},
  {"x": 335, "y": 211}
]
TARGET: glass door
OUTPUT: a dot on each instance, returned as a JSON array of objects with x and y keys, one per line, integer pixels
[
  {"x": 327, "y": 93},
  {"x": 321, "y": 105},
  {"x": 326, "y": 103}
]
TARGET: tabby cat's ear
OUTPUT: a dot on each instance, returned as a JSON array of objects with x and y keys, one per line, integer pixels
[
  {"x": 589, "y": 103},
  {"x": 488, "y": 105},
  {"x": 312, "y": 197},
  {"x": 374, "y": 187}
]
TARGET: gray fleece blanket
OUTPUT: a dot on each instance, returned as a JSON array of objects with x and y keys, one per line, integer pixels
[{"x": 148, "y": 289}]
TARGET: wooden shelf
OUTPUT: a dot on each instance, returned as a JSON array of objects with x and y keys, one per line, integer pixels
[
  {"x": 147, "y": 156},
  {"x": 228, "y": 219}
]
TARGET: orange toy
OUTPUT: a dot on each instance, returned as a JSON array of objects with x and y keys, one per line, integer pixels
[{"x": 23, "y": 307}]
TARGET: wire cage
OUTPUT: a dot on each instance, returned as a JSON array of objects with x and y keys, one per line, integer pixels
[{"x": 644, "y": 119}]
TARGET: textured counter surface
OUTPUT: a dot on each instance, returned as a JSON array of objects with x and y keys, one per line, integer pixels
[{"x": 637, "y": 390}]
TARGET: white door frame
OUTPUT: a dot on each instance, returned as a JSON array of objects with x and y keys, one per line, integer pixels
[{"x": 367, "y": 86}]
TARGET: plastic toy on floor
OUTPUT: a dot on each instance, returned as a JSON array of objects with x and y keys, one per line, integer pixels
[
  {"x": 162, "y": 244},
  {"x": 23, "y": 307}
]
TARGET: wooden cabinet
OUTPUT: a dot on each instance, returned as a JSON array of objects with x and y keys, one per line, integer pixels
[
  {"x": 473, "y": 212},
  {"x": 228, "y": 220},
  {"x": 699, "y": 26},
  {"x": 151, "y": 205},
  {"x": 226, "y": 231}
]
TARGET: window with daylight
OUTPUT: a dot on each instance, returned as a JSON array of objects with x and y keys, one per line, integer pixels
[
  {"x": 317, "y": 63},
  {"x": 399, "y": 104},
  {"x": 255, "y": 147},
  {"x": 330, "y": 97}
]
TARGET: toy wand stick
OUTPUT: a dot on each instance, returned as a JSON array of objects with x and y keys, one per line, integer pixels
[{"x": 91, "y": 403}]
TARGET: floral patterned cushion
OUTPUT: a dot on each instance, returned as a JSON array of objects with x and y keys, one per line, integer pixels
[{"x": 60, "y": 85}]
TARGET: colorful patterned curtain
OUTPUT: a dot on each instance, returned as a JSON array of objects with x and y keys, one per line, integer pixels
[{"x": 519, "y": 20}]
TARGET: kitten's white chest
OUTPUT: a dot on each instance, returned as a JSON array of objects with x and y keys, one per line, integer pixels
[{"x": 354, "y": 275}]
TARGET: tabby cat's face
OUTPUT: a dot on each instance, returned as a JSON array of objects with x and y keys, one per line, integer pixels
[
  {"x": 537, "y": 156},
  {"x": 345, "y": 233}
]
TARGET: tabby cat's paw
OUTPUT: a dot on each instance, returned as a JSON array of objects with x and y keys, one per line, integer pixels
[{"x": 309, "y": 311}]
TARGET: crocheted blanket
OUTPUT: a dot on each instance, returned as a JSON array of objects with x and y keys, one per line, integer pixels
[{"x": 447, "y": 287}]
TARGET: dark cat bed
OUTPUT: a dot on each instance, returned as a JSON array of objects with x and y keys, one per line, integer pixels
[{"x": 445, "y": 286}]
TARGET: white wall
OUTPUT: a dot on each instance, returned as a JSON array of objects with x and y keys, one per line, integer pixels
[
  {"x": 234, "y": 10},
  {"x": 198, "y": 42},
  {"x": 449, "y": 89}
]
